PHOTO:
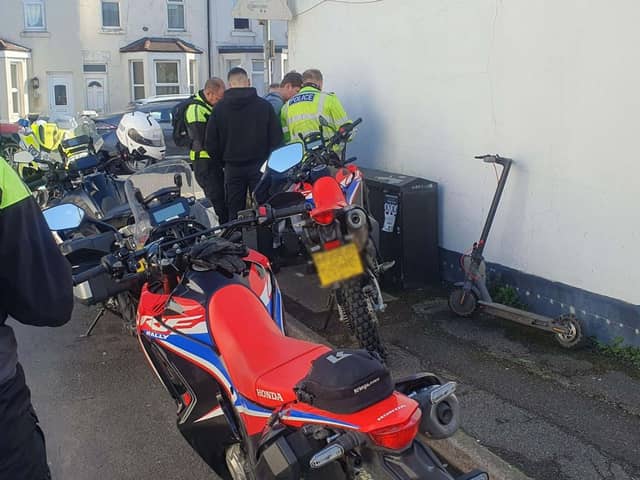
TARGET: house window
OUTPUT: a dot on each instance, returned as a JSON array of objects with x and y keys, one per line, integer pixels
[
  {"x": 110, "y": 14},
  {"x": 16, "y": 89},
  {"x": 193, "y": 77},
  {"x": 175, "y": 14},
  {"x": 94, "y": 68},
  {"x": 167, "y": 80},
  {"x": 257, "y": 75},
  {"x": 241, "y": 24},
  {"x": 137, "y": 80},
  {"x": 34, "y": 15}
]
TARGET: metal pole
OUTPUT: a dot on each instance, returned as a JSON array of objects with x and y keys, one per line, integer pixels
[{"x": 268, "y": 70}]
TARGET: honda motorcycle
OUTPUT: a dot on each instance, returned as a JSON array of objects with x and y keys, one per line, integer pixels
[
  {"x": 339, "y": 235},
  {"x": 253, "y": 403}
]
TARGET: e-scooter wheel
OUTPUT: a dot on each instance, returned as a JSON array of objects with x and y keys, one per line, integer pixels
[
  {"x": 574, "y": 338},
  {"x": 463, "y": 303}
]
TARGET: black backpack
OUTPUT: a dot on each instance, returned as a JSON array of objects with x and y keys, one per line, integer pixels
[{"x": 180, "y": 133}]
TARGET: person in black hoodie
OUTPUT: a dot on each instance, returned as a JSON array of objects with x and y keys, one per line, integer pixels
[{"x": 242, "y": 131}]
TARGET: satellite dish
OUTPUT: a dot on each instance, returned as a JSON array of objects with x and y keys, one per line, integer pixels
[{"x": 262, "y": 9}]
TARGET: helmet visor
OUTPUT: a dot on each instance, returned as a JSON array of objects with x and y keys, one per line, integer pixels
[{"x": 136, "y": 136}]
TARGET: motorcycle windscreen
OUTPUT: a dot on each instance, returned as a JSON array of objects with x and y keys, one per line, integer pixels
[{"x": 151, "y": 180}]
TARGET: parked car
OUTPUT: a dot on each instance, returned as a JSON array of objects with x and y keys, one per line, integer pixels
[{"x": 159, "y": 107}]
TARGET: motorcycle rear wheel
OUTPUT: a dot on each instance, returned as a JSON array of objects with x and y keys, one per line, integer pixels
[{"x": 362, "y": 317}]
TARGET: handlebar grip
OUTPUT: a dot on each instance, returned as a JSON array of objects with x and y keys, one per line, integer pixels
[
  {"x": 494, "y": 159},
  {"x": 289, "y": 211},
  {"x": 356, "y": 123},
  {"x": 89, "y": 274}
]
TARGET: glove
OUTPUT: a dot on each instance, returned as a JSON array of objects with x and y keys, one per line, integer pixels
[{"x": 221, "y": 255}]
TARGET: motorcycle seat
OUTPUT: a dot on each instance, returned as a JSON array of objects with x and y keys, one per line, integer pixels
[{"x": 264, "y": 365}]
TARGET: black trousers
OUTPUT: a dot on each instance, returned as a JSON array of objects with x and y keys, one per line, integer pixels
[
  {"x": 210, "y": 176},
  {"x": 22, "y": 449},
  {"x": 239, "y": 180}
]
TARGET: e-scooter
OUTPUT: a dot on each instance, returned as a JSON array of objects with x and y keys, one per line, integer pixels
[{"x": 473, "y": 292}]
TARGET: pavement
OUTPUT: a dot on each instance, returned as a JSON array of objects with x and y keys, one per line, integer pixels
[
  {"x": 547, "y": 412},
  {"x": 104, "y": 413}
]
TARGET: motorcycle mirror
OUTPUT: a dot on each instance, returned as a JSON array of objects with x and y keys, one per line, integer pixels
[
  {"x": 64, "y": 216},
  {"x": 323, "y": 121},
  {"x": 286, "y": 157}
]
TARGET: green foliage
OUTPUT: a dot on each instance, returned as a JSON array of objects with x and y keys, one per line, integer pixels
[
  {"x": 625, "y": 353},
  {"x": 507, "y": 295}
]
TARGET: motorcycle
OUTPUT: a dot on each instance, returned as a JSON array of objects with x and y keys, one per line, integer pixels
[
  {"x": 161, "y": 201},
  {"x": 340, "y": 236},
  {"x": 78, "y": 173},
  {"x": 253, "y": 403}
]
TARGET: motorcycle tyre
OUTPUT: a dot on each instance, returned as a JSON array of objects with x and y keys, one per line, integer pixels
[{"x": 363, "y": 319}]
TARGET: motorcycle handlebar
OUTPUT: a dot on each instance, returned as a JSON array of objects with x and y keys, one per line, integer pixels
[{"x": 89, "y": 274}]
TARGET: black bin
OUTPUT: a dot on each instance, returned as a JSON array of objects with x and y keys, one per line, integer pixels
[{"x": 407, "y": 210}]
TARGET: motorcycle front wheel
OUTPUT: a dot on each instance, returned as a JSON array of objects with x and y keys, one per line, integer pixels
[{"x": 360, "y": 316}]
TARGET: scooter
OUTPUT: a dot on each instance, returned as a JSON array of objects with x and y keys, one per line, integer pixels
[
  {"x": 253, "y": 403},
  {"x": 473, "y": 292}
]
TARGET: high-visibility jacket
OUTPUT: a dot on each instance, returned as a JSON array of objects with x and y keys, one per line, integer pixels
[
  {"x": 300, "y": 115},
  {"x": 196, "y": 117}
]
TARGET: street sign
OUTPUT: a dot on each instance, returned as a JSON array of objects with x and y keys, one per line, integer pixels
[{"x": 262, "y": 9}]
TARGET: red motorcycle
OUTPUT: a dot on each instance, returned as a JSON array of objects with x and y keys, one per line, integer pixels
[
  {"x": 339, "y": 235},
  {"x": 253, "y": 403}
]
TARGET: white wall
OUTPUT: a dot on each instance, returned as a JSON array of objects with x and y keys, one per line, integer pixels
[{"x": 553, "y": 84}]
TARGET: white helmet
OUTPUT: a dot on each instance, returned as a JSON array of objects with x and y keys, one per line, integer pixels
[{"x": 140, "y": 132}]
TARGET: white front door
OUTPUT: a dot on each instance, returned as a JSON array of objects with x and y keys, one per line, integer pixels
[
  {"x": 96, "y": 86},
  {"x": 61, "y": 94}
]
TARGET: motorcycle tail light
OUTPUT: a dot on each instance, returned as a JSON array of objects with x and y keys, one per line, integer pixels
[
  {"x": 324, "y": 218},
  {"x": 398, "y": 437}
]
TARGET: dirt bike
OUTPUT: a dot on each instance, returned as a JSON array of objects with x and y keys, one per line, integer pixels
[
  {"x": 340, "y": 235},
  {"x": 253, "y": 403}
]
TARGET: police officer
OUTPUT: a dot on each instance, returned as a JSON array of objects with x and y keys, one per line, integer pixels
[
  {"x": 208, "y": 171},
  {"x": 36, "y": 289},
  {"x": 300, "y": 115}
]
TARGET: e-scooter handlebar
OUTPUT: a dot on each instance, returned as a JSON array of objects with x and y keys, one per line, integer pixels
[{"x": 504, "y": 161}]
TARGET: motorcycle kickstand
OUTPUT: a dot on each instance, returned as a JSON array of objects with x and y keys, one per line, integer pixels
[
  {"x": 99, "y": 315},
  {"x": 331, "y": 303}
]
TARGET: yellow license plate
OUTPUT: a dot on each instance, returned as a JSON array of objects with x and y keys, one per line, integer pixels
[{"x": 338, "y": 264}]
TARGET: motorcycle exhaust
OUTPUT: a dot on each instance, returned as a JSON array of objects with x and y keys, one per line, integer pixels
[
  {"x": 440, "y": 410},
  {"x": 357, "y": 226}
]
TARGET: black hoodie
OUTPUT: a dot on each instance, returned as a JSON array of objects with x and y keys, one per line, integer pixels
[{"x": 243, "y": 128}]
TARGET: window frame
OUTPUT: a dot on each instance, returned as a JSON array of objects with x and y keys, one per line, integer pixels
[
  {"x": 17, "y": 90},
  {"x": 110, "y": 27},
  {"x": 27, "y": 28},
  {"x": 193, "y": 76},
  {"x": 247, "y": 29},
  {"x": 258, "y": 72},
  {"x": 155, "y": 74},
  {"x": 184, "y": 20},
  {"x": 132, "y": 80}
]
